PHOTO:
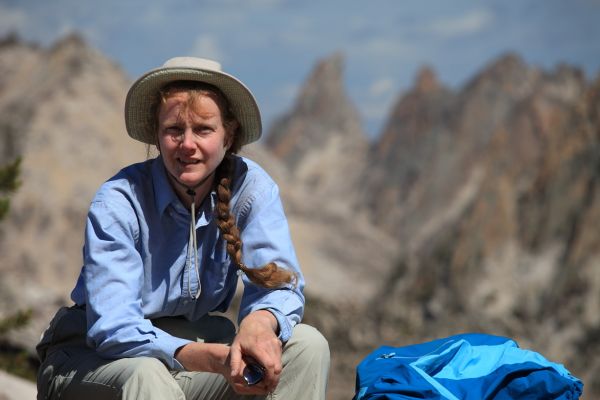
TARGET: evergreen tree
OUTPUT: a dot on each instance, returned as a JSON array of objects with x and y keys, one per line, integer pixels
[
  {"x": 13, "y": 359},
  {"x": 9, "y": 182}
]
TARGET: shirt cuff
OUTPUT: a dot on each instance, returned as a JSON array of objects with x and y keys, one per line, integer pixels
[
  {"x": 169, "y": 345},
  {"x": 285, "y": 325}
]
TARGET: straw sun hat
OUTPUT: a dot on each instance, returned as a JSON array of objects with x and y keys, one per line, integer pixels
[{"x": 140, "y": 121}]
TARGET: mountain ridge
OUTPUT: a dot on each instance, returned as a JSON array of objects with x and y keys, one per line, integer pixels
[{"x": 475, "y": 209}]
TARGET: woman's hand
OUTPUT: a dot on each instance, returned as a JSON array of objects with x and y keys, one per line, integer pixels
[
  {"x": 256, "y": 339},
  {"x": 208, "y": 357}
]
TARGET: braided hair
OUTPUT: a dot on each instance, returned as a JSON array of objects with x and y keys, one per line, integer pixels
[{"x": 270, "y": 275}]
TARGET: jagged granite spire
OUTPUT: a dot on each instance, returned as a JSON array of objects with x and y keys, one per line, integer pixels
[{"x": 321, "y": 139}]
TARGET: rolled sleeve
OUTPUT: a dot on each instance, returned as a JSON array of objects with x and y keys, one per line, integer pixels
[
  {"x": 286, "y": 324},
  {"x": 266, "y": 238}
]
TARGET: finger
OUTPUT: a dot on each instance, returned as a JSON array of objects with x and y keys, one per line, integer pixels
[
  {"x": 271, "y": 383},
  {"x": 235, "y": 362},
  {"x": 272, "y": 374}
]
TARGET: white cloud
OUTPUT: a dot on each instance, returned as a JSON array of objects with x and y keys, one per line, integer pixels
[
  {"x": 12, "y": 20},
  {"x": 380, "y": 95},
  {"x": 207, "y": 46},
  {"x": 382, "y": 87},
  {"x": 469, "y": 23},
  {"x": 381, "y": 50}
]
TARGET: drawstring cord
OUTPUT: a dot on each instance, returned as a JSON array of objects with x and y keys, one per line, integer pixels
[{"x": 193, "y": 243}]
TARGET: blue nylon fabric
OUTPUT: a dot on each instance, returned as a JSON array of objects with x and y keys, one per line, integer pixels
[{"x": 468, "y": 366}]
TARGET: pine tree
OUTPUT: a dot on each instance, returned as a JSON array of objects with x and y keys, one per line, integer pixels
[
  {"x": 9, "y": 182},
  {"x": 13, "y": 359}
]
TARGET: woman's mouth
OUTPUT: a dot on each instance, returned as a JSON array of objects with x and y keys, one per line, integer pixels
[{"x": 187, "y": 162}]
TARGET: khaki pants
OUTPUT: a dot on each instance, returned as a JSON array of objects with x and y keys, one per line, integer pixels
[{"x": 71, "y": 370}]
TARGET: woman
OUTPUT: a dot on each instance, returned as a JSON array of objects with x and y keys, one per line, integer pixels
[{"x": 165, "y": 241}]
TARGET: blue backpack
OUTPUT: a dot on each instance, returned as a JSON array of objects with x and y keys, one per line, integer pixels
[{"x": 463, "y": 367}]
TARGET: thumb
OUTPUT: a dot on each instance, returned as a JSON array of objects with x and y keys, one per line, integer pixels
[{"x": 235, "y": 360}]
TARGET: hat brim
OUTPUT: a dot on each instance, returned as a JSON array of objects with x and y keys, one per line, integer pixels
[{"x": 140, "y": 123}]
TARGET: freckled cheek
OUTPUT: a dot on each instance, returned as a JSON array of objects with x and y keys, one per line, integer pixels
[
  {"x": 164, "y": 145},
  {"x": 214, "y": 149}
]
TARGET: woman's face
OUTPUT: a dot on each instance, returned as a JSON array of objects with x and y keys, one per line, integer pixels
[{"x": 192, "y": 140}]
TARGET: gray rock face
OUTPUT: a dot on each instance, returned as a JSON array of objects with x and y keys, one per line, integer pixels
[
  {"x": 15, "y": 388},
  {"x": 61, "y": 110},
  {"x": 418, "y": 131},
  {"x": 490, "y": 194},
  {"x": 498, "y": 224}
]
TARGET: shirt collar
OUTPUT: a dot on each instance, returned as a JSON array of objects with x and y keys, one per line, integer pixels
[
  {"x": 207, "y": 207},
  {"x": 163, "y": 192}
]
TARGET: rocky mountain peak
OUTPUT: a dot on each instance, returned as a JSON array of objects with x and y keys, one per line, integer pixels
[
  {"x": 323, "y": 87},
  {"x": 508, "y": 75},
  {"x": 505, "y": 63},
  {"x": 69, "y": 42},
  {"x": 427, "y": 81},
  {"x": 71, "y": 54},
  {"x": 417, "y": 127},
  {"x": 61, "y": 110},
  {"x": 12, "y": 39},
  {"x": 321, "y": 139},
  {"x": 413, "y": 113}
]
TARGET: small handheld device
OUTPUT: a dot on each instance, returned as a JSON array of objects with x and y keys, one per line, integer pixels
[{"x": 253, "y": 372}]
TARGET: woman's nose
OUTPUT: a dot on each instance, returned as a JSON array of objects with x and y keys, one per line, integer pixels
[{"x": 187, "y": 141}]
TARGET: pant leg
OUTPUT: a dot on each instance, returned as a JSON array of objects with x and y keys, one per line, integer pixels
[
  {"x": 305, "y": 361},
  {"x": 83, "y": 375},
  {"x": 305, "y": 372},
  {"x": 71, "y": 370}
]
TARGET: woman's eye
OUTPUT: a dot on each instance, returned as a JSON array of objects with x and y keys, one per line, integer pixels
[
  {"x": 203, "y": 130},
  {"x": 173, "y": 130}
]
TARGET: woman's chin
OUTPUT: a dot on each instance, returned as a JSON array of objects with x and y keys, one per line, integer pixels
[{"x": 191, "y": 180}]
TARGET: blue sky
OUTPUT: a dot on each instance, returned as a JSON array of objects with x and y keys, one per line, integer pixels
[{"x": 273, "y": 44}]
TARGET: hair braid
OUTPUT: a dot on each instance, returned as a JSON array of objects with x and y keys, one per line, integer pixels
[{"x": 270, "y": 276}]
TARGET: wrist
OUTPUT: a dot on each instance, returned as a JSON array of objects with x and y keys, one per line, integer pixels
[
  {"x": 219, "y": 358},
  {"x": 205, "y": 357},
  {"x": 264, "y": 317}
]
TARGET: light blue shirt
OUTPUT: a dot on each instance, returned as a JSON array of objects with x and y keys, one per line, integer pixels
[{"x": 135, "y": 267}]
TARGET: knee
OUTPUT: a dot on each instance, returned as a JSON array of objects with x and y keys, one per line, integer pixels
[
  {"x": 147, "y": 378},
  {"x": 310, "y": 346},
  {"x": 138, "y": 370}
]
